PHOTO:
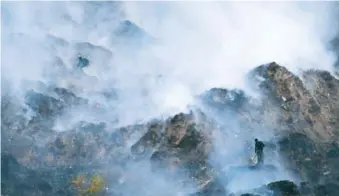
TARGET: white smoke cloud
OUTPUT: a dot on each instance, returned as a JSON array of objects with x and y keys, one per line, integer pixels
[
  {"x": 198, "y": 45},
  {"x": 215, "y": 44}
]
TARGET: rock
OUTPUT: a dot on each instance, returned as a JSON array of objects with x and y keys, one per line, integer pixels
[
  {"x": 306, "y": 100},
  {"x": 48, "y": 106},
  {"x": 129, "y": 29},
  {"x": 182, "y": 143},
  {"x": 91, "y": 52},
  {"x": 44, "y": 106},
  {"x": 98, "y": 57},
  {"x": 324, "y": 88},
  {"x": 150, "y": 139},
  {"x": 301, "y": 112},
  {"x": 69, "y": 97},
  {"x": 223, "y": 99},
  {"x": 305, "y": 188},
  {"x": 213, "y": 188},
  {"x": 19, "y": 180},
  {"x": 307, "y": 119},
  {"x": 82, "y": 62},
  {"x": 284, "y": 188},
  {"x": 129, "y": 34},
  {"x": 277, "y": 188},
  {"x": 303, "y": 153},
  {"x": 330, "y": 189}
]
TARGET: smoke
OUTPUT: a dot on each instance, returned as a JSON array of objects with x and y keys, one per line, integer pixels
[
  {"x": 185, "y": 49},
  {"x": 198, "y": 46},
  {"x": 219, "y": 42}
]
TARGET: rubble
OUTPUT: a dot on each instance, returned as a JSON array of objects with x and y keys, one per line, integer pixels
[{"x": 305, "y": 123}]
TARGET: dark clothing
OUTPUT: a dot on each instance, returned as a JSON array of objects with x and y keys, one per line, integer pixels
[{"x": 259, "y": 148}]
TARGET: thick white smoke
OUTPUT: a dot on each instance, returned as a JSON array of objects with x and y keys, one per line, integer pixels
[
  {"x": 195, "y": 46},
  {"x": 198, "y": 45},
  {"x": 218, "y": 43}
]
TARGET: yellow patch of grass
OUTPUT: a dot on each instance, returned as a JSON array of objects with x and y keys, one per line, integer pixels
[
  {"x": 96, "y": 185},
  {"x": 79, "y": 181},
  {"x": 88, "y": 187}
]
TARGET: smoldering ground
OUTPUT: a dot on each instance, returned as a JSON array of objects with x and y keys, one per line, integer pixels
[{"x": 177, "y": 51}]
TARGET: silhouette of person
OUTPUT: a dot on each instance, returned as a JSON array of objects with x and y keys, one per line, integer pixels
[{"x": 259, "y": 151}]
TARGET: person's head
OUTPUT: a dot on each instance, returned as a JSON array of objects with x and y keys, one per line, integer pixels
[{"x": 256, "y": 140}]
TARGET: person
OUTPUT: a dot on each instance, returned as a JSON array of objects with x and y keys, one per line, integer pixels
[{"x": 259, "y": 151}]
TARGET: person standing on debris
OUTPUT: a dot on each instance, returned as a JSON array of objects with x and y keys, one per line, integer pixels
[{"x": 259, "y": 151}]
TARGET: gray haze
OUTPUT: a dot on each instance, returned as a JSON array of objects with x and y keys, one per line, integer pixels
[{"x": 189, "y": 48}]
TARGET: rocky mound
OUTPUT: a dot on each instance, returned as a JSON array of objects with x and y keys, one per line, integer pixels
[{"x": 301, "y": 112}]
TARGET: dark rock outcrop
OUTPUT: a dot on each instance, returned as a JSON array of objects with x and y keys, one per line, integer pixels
[
  {"x": 182, "y": 143},
  {"x": 283, "y": 188},
  {"x": 278, "y": 188}
]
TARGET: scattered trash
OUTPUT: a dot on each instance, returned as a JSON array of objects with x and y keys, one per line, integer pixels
[{"x": 254, "y": 159}]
